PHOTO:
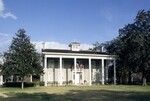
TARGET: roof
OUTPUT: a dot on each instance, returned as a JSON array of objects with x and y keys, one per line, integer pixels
[
  {"x": 74, "y": 43},
  {"x": 69, "y": 51}
]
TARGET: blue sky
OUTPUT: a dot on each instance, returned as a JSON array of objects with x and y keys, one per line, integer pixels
[{"x": 63, "y": 21}]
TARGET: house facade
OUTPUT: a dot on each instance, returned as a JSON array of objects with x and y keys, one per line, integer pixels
[{"x": 76, "y": 67}]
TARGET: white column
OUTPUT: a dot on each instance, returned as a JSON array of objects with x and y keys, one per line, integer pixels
[
  {"x": 45, "y": 71},
  {"x": 114, "y": 72},
  {"x": 60, "y": 70},
  {"x": 72, "y": 74},
  {"x": 83, "y": 75},
  {"x": 75, "y": 70},
  {"x": 90, "y": 82},
  {"x": 107, "y": 71},
  {"x": 1, "y": 79},
  {"x": 103, "y": 72}
]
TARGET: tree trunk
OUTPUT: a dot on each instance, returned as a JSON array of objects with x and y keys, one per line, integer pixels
[
  {"x": 22, "y": 85},
  {"x": 144, "y": 81},
  {"x": 129, "y": 78},
  {"x": 119, "y": 79}
]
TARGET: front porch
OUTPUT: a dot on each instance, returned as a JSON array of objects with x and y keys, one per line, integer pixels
[{"x": 77, "y": 70}]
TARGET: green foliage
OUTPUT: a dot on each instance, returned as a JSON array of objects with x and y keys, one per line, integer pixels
[
  {"x": 98, "y": 47},
  {"x": 21, "y": 59},
  {"x": 132, "y": 47},
  {"x": 0, "y": 63},
  {"x": 0, "y": 68}
]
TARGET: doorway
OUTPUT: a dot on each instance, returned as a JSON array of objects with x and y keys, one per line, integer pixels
[{"x": 78, "y": 78}]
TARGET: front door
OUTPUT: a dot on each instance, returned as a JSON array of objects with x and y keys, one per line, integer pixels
[{"x": 78, "y": 78}]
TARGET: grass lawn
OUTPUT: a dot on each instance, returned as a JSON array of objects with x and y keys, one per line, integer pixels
[{"x": 77, "y": 93}]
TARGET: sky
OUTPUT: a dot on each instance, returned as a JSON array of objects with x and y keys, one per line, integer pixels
[{"x": 60, "y": 22}]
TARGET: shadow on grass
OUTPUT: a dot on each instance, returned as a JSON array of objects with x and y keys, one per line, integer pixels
[{"x": 79, "y": 95}]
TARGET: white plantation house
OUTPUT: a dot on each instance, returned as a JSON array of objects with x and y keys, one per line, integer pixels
[{"x": 77, "y": 67}]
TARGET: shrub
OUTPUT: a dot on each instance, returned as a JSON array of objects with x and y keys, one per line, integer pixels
[
  {"x": 29, "y": 84},
  {"x": 70, "y": 82},
  {"x": 41, "y": 83},
  {"x": 18, "y": 84},
  {"x": 85, "y": 81}
]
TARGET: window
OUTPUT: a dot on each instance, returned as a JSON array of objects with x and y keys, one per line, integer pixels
[
  {"x": 50, "y": 64},
  {"x": 73, "y": 47},
  {"x": 93, "y": 64},
  {"x": 76, "y": 47}
]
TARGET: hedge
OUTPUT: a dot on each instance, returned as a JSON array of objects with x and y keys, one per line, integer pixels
[{"x": 18, "y": 84}]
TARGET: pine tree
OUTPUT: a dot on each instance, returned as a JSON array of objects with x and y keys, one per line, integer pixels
[{"x": 21, "y": 59}]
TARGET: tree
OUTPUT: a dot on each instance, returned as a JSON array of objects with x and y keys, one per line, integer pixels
[
  {"x": 0, "y": 63},
  {"x": 142, "y": 22},
  {"x": 21, "y": 59},
  {"x": 98, "y": 47},
  {"x": 128, "y": 52},
  {"x": 132, "y": 47}
]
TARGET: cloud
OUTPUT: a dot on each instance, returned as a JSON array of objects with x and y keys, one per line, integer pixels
[
  {"x": 5, "y": 41},
  {"x": 57, "y": 45},
  {"x": 50, "y": 45},
  {"x": 3, "y": 14},
  {"x": 3, "y": 35},
  {"x": 85, "y": 46},
  {"x": 9, "y": 15}
]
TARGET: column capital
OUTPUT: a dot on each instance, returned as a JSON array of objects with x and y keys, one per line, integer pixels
[
  {"x": 103, "y": 59},
  {"x": 45, "y": 56}
]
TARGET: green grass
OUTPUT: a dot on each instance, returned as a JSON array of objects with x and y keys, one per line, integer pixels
[{"x": 77, "y": 93}]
